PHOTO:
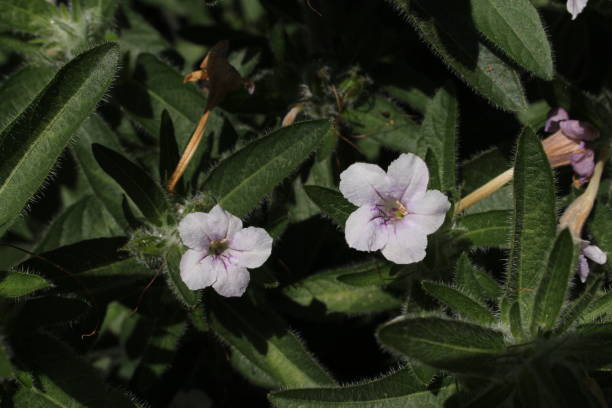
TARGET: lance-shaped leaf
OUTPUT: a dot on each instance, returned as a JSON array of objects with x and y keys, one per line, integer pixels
[
  {"x": 599, "y": 307},
  {"x": 93, "y": 269},
  {"x": 331, "y": 202},
  {"x": 400, "y": 389},
  {"x": 447, "y": 27},
  {"x": 95, "y": 130},
  {"x": 142, "y": 189},
  {"x": 28, "y": 16},
  {"x": 85, "y": 219},
  {"x": 334, "y": 296},
  {"x": 14, "y": 284},
  {"x": 242, "y": 180},
  {"x": 30, "y": 146},
  {"x": 515, "y": 27},
  {"x": 553, "y": 290},
  {"x": 258, "y": 334},
  {"x": 446, "y": 344},
  {"x": 61, "y": 378},
  {"x": 476, "y": 282},
  {"x": 19, "y": 90},
  {"x": 486, "y": 229},
  {"x": 534, "y": 222},
  {"x": 459, "y": 302},
  {"x": 573, "y": 311},
  {"x": 50, "y": 311},
  {"x": 439, "y": 130}
]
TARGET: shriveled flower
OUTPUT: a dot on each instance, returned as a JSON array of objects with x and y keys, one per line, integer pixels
[
  {"x": 575, "y": 7},
  {"x": 396, "y": 211},
  {"x": 592, "y": 252},
  {"x": 568, "y": 144},
  {"x": 220, "y": 251}
]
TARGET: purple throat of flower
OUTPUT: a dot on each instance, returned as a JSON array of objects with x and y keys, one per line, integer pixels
[{"x": 389, "y": 210}]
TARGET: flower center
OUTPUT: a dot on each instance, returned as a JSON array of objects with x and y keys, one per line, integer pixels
[
  {"x": 393, "y": 209},
  {"x": 219, "y": 246}
]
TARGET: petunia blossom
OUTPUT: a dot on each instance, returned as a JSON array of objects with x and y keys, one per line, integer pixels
[
  {"x": 569, "y": 144},
  {"x": 396, "y": 211},
  {"x": 220, "y": 251},
  {"x": 592, "y": 252},
  {"x": 575, "y": 7}
]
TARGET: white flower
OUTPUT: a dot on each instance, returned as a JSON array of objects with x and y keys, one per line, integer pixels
[
  {"x": 575, "y": 7},
  {"x": 396, "y": 211},
  {"x": 220, "y": 251}
]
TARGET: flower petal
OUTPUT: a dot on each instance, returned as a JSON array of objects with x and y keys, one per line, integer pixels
[
  {"x": 365, "y": 230},
  {"x": 583, "y": 164},
  {"x": 427, "y": 211},
  {"x": 575, "y": 7},
  {"x": 232, "y": 281},
  {"x": 577, "y": 129},
  {"x": 595, "y": 254},
  {"x": 409, "y": 175},
  {"x": 583, "y": 268},
  {"x": 197, "y": 270},
  {"x": 250, "y": 247},
  {"x": 405, "y": 245},
  {"x": 556, "y": 116},
  {"x": 221, "y": 224},
  {"x": 363, "y": 183},
  {"x": 193, "y": 231}
]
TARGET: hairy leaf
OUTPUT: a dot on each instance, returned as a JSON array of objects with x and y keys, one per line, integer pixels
[
  {"x": 242, "y": 180},
  {"x": 258, "y": 334},
  {"x": 14, "y": 284},
  {"x": 459, "y": 302},
  {"x": 331, "y": 202},
  {"x": 32, "y": 143}
]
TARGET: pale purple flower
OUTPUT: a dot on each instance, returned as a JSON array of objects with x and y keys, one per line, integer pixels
[
  {"x": 396, "y": 211},
  {"x": 592, "y": 252},
  {"x": 575, "y": 7},
  {"x": 568, "y": 144},
  {"x": 220, "y": 251}
]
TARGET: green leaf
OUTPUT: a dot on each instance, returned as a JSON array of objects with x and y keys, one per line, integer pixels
[
  {"x": 14, "y": 284},
  {"x": 534, "y": 227},
  {"x": 331, "y": 202},
  {"x": 30, "y": 146},
  {"x": 159, "y": 353},
  {"x": 85, "y": 219},
  {"x": 459, "y": 302},
  {"x": 242, "y": 180},
  {"x": 476, "y": 282},
  {"x": 517, "y": 29},
  {"x": 515, "y": 321},
  {"x": 28, "y": 16},
  {"x": 447, "y": 28},
  {"x": 168, "y": 149},
  {"x": 479, "y": 169},
  {"x": 599, "y": 307},
  {"x": 20, "y": 89},
  {"x": 146, "y": 193},
  {"x": 575, "y": 310},
  {"x": 49, "y": 311},
  {"x": 552, "y": 291},
  {"x": 61, "y": 378},
  {"x": 257, "y": 333},
  {"x": 326, "y": 291},
  {"x": 379, "y": 120},
  {"x": 485, "y": 229},
  {"x": 400, "y": 389},
  {"x": 446, "y": 344},
  {"x": 93, "y": 268},
  {"x": 95, "y": 130},
  {"x": 601, "y": 228},
  {"x": 434, "y": 170},
  {"x": 172, "y": 273},
  {"x": 439, "y": 130}
]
